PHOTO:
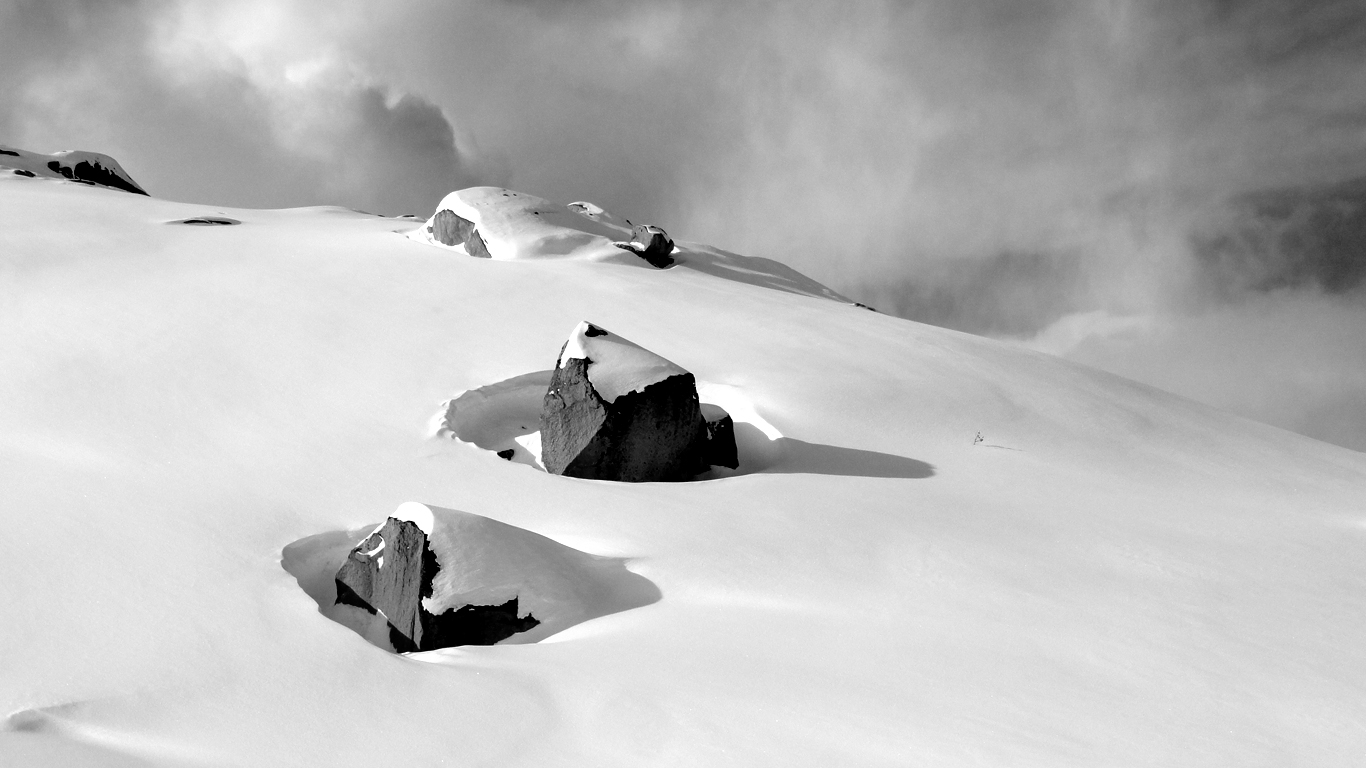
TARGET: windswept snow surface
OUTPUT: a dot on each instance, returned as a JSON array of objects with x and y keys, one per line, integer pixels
[{"x": 1114, "y": 576}]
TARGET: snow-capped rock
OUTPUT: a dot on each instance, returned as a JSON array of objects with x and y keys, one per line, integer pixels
[
  {"x": 392, "y": 573},
  {"x": 651, "y": 244},
  {"x": 616, "y": 411},
  {"x": 429, "y": 578},
  {"x": 91, "y": 168},
  {"x": 514, "y": 225},
  {"x": 450, "y": 229}
]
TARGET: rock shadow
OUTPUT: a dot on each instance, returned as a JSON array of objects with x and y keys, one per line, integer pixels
[
  {"x": 563, "y": 586},
  {"x": 498, "y": 417},
  {"x": 780, "y": 455},
  {"x": 751, "y": 270}
]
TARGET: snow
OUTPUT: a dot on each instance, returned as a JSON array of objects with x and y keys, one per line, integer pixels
[
  {"x": 1117, "y": 576},
  {"x": 616, "y": 366}
]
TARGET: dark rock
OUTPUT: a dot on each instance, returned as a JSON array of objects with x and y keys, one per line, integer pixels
[
  {"x": 22, "y": 172},
  {"x": 476, "y": 247},
  {"x": 10, "y": 152},
  {"x": 654, "y": 434},
  {"x": 861, "y": 305},
  {"x": 650, "y": 243},
  {"x": 94, "y": 173},
  {"x": 207, "y": 221},
  {"x": 507, "y": 453},
  {"x": 389, "y": 574},
  {"x": 448, "y": 228},
  {"x": 477, "y": 625},
  {"x": 721, "y": 450}
]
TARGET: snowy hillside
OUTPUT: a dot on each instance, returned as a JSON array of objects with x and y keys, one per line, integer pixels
[{"x": 197, "y": 422}]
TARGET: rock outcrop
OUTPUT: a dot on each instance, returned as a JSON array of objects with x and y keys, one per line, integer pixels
[
  {"x": 91, "y": 168},
  {"x": 94, "y": 172},
  {"x": 391, "y": 573},
  {"x": 616, "y": 411},
  {"x": 651, "y": 244},
  {"x": 448, "y": 228},
  {"x": 721, "y": 451}
]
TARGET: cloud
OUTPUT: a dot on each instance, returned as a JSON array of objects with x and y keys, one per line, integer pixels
[
  {"x": 216, "y": 121},
  {"x": 1277, "y": 358},
  {"x": 1018, "y": 168}
]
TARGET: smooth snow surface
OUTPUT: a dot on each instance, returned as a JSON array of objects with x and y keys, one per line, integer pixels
[
  {"x": 1114, "y": 577},
  {"x": 616, "y": 366}
]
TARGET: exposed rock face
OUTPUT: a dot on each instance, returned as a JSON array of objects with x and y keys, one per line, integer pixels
[
  {"x": 391, "y": 572},
  {"x": 650, "y": 243},
  {"x": 721, "y": 450},
  {"x": 94, "y": 173},
  {"x": 450, "y": 229},
  {"x": 615, "y": 411}
]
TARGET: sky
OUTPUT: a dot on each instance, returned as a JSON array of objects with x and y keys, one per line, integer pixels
[{"x": 1167, "y": 189}]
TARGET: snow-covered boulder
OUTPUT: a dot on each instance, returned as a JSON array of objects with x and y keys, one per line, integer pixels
[
  {"x": 514, "y": 225},
  {"x": 616, "y": 411},
  {"x": 393, "y": 574},
  {"x": 448, "y": 228},
  {"x": 651, "y": 244},
  {"x": 91, "y": 168},
  {"x": 429, "y": 578}
]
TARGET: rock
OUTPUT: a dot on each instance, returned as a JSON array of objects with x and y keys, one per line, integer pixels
[
  {"x": 448, "y": 228},
  {"x": 392, "y": 571},
  {"x": 615, "y": 411},
  {"x": 94, "y": 172},
  {"x": 90, "y": 168},
  {"x": 650, "y": 243},
  {"x": 721, "y": 451}
]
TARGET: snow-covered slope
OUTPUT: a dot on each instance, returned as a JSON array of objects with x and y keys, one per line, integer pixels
[{"x": 1111, "y": 576}]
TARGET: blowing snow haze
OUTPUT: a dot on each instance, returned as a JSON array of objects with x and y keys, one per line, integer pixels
[{"x": 1168, "y": 190}]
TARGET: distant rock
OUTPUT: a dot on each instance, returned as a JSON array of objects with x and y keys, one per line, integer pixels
[
  {"x": 207, "y": 221},
  {"x": 90, "y": 168},
  {"x": 392, "y": 571},
  {"x": 448, "y": 228},
  {"x": 616, "y": 411},
  {"x": 650, "y": 243}
]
